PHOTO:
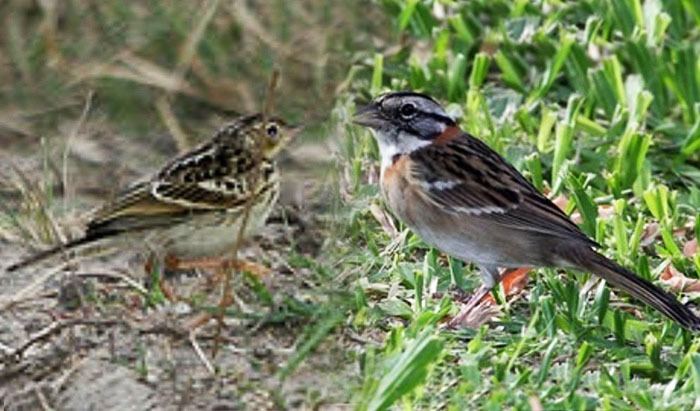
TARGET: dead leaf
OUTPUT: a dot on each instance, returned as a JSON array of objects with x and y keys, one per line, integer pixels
[
  {"x": 682, "y": 231},
  {"x": 651, "y": 232},
  {"x": 514, "y": 282},
  {"x": 561, "y": 201},
  {"x": 535, "y": 403},
  {"x": 605, "y": 211},
  {"x": 678, "y": 282}
]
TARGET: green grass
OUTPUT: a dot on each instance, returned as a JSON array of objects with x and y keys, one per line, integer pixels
[{"x": 595, "y": 99}]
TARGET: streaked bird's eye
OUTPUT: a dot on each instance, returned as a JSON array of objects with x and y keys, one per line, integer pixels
[
  {"x": 272, "y": 130},
  {"x": 408, "y": 110}
]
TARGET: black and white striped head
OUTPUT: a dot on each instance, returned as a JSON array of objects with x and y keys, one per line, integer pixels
[
  {"x": 407, "y": 111},
  {"x": 403, "y": 121}
]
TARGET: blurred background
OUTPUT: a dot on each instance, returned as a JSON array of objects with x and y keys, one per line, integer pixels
[{"x": 97, "y": 93}]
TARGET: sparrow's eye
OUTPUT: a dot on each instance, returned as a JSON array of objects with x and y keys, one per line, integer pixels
[
  {"x": 272, "y": 130},
  {"x": 408, "y": 110}
]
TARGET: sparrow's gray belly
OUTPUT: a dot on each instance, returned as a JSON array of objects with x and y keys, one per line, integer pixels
[
  {"x": 466, "y": 237},
  {"x": 473, "y": 241}
]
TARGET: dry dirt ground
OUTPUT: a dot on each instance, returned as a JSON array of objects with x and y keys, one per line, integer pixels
[
  {"x": 74, "y": 77},
  {"x": 83, "y": 336}
]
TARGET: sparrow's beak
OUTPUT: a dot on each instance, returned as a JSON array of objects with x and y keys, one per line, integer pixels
[{"x": 369, "y": 116}]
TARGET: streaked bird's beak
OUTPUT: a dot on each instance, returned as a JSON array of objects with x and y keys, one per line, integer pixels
[
  {"x": 369, "y": 116},
  {"x": 292, "y": 133},
  {"x": 296, "y": 129}
]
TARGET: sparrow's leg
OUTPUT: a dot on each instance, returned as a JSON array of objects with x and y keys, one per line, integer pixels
[
  {"x": 224, "y": 274},
  {"x": 163, "y": 284},
  {"x": 247, "y": 266},
  {"x": 222, "y": 267},
  {"x": 490, "y": 278},
  {"x": 252, "y": 267}
]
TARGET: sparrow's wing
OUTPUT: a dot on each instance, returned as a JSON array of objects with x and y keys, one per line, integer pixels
[
  {"x": 209, "y": 178},
  {"x": 466, "y": 176}
]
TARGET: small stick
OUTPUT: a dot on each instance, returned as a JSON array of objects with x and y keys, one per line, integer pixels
[
  {"x": 56, "y": 327},
  {"x": 268, "y": 103},
  {"x": 24, "y": 293},
  {"x": 202, "y": 357}
]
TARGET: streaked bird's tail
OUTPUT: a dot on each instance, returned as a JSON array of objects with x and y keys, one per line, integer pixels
[{"x": 51, "y": 252}]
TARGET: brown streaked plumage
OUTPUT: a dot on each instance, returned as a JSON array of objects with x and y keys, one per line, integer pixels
[
  {"x": 462, "y": 197},
  {"x": 194, "y": 205}
]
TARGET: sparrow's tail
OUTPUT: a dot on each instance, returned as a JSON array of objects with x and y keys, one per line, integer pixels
[
  {"x": 43, "y": 255},
  {"x": 640, "y": 288}
]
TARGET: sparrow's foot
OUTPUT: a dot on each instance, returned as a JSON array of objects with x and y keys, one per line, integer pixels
[
  {"x": 461, "y": 318},
  {"x": 513, "y": 282},
  {"x": 223, "y": 268},
  {"x": 216, "y": 263}
]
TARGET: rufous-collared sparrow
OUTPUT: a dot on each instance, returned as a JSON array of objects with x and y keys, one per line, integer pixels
[{"x": 463, "y": 198}]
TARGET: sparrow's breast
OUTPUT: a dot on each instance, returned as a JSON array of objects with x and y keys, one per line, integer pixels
[
  {"x": 397, "y": 190},
  {"x": 407, "y": 202},
  {"x": 460, "y": 235}
]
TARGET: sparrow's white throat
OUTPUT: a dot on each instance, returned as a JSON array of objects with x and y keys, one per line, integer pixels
[{"x": 391, "y": 145}]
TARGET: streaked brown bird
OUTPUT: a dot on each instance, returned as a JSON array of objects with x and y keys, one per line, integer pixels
[
  {"x": 192, "y": 210},
  {"x": 463, "y": 198}
]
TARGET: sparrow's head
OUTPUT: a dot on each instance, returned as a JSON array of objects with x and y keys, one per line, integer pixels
[
  {"x": 271, "y": 134},
  {"x": 404, "y": 120}
]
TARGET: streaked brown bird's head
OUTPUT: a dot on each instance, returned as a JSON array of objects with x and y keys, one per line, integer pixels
[{"x": 266, "y": 133}]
